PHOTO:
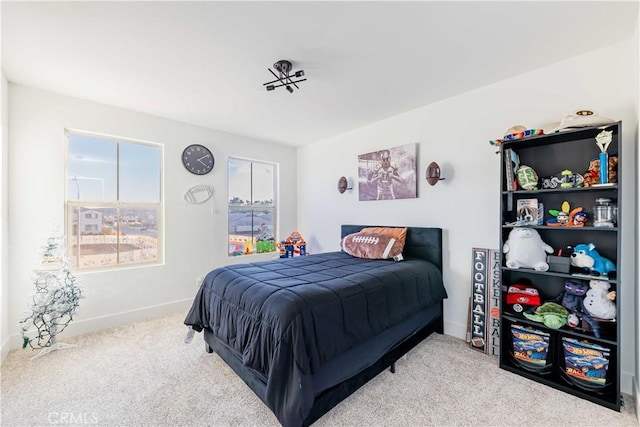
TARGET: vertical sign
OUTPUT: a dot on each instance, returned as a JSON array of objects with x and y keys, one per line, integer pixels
[
  {"x": 484, "y": 312},
  {"x": 479, "y": 299},
  {"x": 493, "y": 331}
]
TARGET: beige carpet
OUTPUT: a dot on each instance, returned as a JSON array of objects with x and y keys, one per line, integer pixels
[{"x": 144, "y": 375}]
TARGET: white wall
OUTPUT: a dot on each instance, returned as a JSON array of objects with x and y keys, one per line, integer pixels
[
  {"x": 4, "y": 270},
  {"x": 455, "y": 133},
  {"x": 195, "y": 235},
  {"x": 636, "y": 91},
  {"x": 4, "y": 281}
]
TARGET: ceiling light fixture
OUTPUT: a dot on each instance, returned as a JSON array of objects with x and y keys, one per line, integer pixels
[{"x": 283, "y": 78}]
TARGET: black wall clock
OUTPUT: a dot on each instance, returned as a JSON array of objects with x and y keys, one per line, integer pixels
[{"x": 197, "y": 159}]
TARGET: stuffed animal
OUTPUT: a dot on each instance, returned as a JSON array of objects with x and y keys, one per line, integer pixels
[
  {"x": 571, "y": 299},
  {"x": 599, "y": 301},
  {"x": 585, "y": 301},
  {"x": 585, "y": 256},
  {"x": 553, "y": 315},
  {"x": 592, "y": 175},
  {"x": 525, "y": 248}
]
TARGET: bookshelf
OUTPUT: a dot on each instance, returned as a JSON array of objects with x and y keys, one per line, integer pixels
[{"x": 549, "y": 155}]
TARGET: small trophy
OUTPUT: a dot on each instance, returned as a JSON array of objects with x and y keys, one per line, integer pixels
[{"x": 603, "y": 139}]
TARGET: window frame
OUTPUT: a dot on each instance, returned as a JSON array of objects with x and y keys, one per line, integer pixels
[
  {"x": 69, "y": 205},
  {"x": 253, "y": 207}
]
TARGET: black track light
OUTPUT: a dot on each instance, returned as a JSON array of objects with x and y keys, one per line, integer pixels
[{"x": 283, "y": 78}]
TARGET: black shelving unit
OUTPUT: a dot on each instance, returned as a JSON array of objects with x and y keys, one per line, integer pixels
[{"x": 548, "y": 155}]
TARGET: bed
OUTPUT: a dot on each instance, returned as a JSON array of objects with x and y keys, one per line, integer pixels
[{"x": 306, "y": 332}]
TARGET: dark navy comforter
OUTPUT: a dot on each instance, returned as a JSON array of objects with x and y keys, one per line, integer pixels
[{"x": 285, "y": 317}]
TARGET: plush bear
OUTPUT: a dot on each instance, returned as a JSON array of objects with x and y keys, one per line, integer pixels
[
  {"x": 592, "y": 175},
  {"x": 585, "y": 256},
  {"x": 525, "y": 248},
  {"x": 599, "y": 301}
]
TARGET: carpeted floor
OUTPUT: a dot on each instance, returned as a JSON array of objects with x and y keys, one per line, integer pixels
[{"x": 145, "y": 375}]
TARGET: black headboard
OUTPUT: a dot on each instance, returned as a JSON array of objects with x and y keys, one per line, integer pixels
[{"x": 422, "y": 242}]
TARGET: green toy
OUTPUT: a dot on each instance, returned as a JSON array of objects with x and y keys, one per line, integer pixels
[
  {"x": 553, "y": 315},
  {"x": 527, "y": 177}
]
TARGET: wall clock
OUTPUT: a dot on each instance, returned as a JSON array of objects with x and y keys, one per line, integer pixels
[{"x": 198, "y": 159}]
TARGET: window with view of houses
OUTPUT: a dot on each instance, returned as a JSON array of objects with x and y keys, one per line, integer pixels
[
  {"x": 252, "y": 206},
  {"x": 113, "y": 201}
]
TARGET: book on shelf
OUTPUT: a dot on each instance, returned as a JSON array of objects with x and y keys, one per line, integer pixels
[
  {"x": 511, "y": 163},
  {"x": 529, "y": 212}
]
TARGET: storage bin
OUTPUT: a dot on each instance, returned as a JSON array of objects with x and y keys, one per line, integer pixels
[
  {"x": 586, "y": 363},
  {"x": 530, "y": 346}
]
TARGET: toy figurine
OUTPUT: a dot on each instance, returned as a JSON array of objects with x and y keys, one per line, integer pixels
[
  {"x": 579, "y": 219},
  {"x": 282, "y": 248},
  {"x": 565, "y": 217},
  {"x": 293, "y": 244},
  {"x": 288, "y": 247},
  {"x": 302, "y": 247}
]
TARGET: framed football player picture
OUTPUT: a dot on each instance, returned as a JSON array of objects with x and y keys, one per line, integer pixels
[{"x": 388, "y": 174}]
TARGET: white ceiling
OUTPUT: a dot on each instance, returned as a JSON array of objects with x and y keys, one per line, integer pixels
[{"x": 204, "y": 62}]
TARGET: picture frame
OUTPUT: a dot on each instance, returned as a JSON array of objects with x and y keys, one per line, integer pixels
[{"x": 388, "y": 174}]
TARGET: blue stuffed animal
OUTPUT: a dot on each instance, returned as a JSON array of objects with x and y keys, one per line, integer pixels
[{"x": 585, "y": 256}]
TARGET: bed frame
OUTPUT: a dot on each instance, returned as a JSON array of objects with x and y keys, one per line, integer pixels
[{"x": 425, "y": 243}]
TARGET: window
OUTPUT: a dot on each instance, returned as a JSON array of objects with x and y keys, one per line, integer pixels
[
  {"x": 252, "y": 206},
  {"x": 113, "y": 202}
]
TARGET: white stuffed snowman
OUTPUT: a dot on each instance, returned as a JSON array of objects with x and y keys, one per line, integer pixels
[
  {"x": 525, "y": 248},
  {"x": 598, "y": 302}
]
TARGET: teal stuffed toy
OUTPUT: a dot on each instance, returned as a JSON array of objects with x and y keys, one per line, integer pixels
[{"x": 585, "y": 256}]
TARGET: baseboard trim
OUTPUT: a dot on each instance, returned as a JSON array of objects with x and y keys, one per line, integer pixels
[
  {"x": 455, "y": 329},
  {"x": 627, "y": 382},
  {"x": 636, "y": 396},
  {"x": 95, "y": 324},
  {"x": 5, "y": 350}
]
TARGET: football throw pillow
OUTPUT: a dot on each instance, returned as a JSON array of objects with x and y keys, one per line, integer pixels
[
  {"x": 372, "y": 246},
  {"x": 398, "y": 233}
]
